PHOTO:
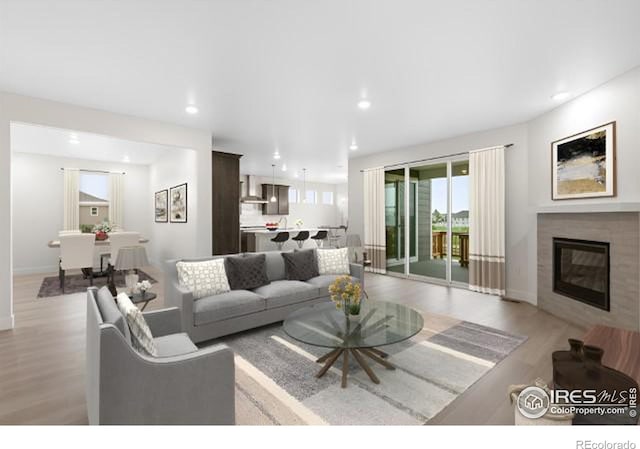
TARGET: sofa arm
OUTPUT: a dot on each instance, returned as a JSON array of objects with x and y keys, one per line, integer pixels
[
  {"x": 193, "y": 388},
  {"x": 164, "y": 322},
  {"x": 357, "y": 271}
]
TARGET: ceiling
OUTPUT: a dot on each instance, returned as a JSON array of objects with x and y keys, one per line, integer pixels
[
  {"x": 287, "y": 74},
  {"x": 65, "y": 143}
]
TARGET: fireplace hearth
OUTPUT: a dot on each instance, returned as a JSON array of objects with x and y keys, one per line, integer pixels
[{"x": 581, "y": 271}]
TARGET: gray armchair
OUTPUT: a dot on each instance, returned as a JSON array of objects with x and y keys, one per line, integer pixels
[{"x": 183, "y": 385}]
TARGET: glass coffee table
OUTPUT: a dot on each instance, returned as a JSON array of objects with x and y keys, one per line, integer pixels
[{"x": 380, "y": 323}]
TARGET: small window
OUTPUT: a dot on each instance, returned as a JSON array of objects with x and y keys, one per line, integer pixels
[
  {"x": 327, "y": 198},
  {"x": 293, "y": 195},
  {"x": 311, "y": 197},
  {"x": 94, "y": 211}
]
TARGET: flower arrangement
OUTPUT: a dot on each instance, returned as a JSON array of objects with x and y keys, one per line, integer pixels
[
  {"x": 143, "y": 286},
  {"x": 299, "y": 222},
  {"x": 347, "y": 295},
  {"x": 102, "y": 230}
]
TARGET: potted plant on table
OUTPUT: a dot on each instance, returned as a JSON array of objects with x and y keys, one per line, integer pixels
[{"x": 347, "y": 296}]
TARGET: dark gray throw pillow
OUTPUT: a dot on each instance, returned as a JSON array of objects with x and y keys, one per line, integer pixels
[
  {"x": 300, "y": 265},
  {"x": 246, "y": 272}
]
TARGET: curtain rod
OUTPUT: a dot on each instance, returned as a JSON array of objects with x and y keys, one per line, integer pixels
[
  {"x": 86, "y": 170},
  {"x": 508, "y": 145}
]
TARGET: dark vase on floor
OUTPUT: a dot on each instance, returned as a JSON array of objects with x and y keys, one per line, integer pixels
[{"x": 581, "y": 368}]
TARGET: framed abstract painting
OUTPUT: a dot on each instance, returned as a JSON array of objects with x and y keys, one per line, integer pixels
[
  {"x": 178, "y": 200},
  {"x": 584, "y": 165},
  {"x": 162, "y": 206}
]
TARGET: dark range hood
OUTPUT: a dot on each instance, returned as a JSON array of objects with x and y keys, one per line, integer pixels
[{"x": 250, "y": 188}]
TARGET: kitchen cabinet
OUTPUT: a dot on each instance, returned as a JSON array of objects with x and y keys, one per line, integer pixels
[
  {"x": 281, "y": 205},
  {"x": 225, "y": 203}
]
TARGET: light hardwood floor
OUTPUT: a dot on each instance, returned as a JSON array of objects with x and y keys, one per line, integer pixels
[{"x": 42, "y": 359}]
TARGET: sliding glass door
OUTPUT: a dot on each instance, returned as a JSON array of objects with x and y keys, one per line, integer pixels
[{"x": 428, "y": 230}]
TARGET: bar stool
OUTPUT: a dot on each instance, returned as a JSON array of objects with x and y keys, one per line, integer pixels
[
  {"x": 280, "y": 238},
  {"x": 301, "y": 237},
  {"x": 320, "y": 237}
]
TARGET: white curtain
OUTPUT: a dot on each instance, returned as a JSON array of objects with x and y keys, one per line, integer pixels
[
  {"x": 487, "y": 221},
  {"x": 374, "y": 221},
  {"x": 71, "y": 207},
  {"x": 116, "y": 200}
]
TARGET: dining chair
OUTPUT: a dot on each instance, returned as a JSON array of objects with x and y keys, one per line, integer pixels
[
  {"x": 118, "y": 240},
  {"x": 76, "y": 252}
]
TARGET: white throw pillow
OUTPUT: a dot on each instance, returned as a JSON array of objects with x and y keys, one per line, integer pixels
[
  {"x": 206, "y": 278},
  {"x": 333, "y": 261},
  {"x": 141, "y": 337}
]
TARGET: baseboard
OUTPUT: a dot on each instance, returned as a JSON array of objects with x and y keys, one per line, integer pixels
[
  {"x": 46, "y": 269},
  {"x": 6, "y": 323},
  {"x": 520, "y": 295}
]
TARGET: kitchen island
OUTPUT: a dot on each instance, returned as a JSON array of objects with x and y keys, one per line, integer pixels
[{"x": 259, "y": 239}]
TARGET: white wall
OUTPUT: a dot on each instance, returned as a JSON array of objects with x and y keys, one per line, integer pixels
[
  {"x": 19, "y": 108},
  {"x": 518, "y": 216},
  {"x": 312, "y": 215},
  {"x": 617, "y": 100},
  {"x": 175, "y": 240},
  {"x": 37, "y": 195}
]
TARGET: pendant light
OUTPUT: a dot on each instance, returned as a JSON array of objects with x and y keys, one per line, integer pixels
[
  {"x": 273, "y": 184},
  {"x": 304, "y": 185}
]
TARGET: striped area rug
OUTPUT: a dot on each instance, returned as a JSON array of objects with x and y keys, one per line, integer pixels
[{"x": 276, "y": 383}]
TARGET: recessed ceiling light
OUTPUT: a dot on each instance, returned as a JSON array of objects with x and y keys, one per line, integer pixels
[
  {"x": 284, "y": 167},
  {"x": 126, "y": 159},
  {"x": 561, "y": 96},
  {"x": 276, "y": 155},
  {"x": 74, "y": 141},
  {"x": 191, "y": 109},
  {"x": 364, "y": 104},
  {"x": 353, "y": 146},
  {"x": 295, "y": 175}
]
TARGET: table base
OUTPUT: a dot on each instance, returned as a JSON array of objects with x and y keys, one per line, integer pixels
[{"x": 374, "y": 354}]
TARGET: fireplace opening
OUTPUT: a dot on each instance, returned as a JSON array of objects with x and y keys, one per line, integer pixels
[{"x": 581, "y": 271}]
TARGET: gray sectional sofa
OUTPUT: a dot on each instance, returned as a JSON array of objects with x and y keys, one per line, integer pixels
[{"x": 215, "y": 316}]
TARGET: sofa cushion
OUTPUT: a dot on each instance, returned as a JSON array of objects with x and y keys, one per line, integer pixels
[
  {"x": 323, "y": 282},
  {"x": 300, "y": 265},
  {"x": 284, "y": 293},
  {"x": 333, "y": 261},
  {"x": 110, "y": 312},
  {"x": 174, "y": 344},
  {"x": 226, "y": 305},
  {"x": 205, "y": 278},
  {"x": 246, "y": 272},
  {"x": 275, "y": 266},
  {"x": 141, "y": 337}
]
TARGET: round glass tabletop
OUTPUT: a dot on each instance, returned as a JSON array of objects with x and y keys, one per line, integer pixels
[{"x": 380, "y": 323}]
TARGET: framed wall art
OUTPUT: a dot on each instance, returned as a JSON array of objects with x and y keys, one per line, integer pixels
[
  {"x": 178, "y": 202},
  {"x": 584, "y": 165},
  {"x": 162, "y": 206}
]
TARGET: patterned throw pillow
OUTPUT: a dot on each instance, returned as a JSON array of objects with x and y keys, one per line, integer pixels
[
  {"x": 141, "y": 337},
  {"x": 206, "y": 278},
  {"x": 333, "y": 261},
  {"x": 247, "y": 272},
  {"x": 300, "y": 265}
]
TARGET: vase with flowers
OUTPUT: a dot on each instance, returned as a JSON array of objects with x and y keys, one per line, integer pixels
[
  {"x": 102, "y": 230},
  {"x": 143, "y": 287},
  {"x": 347, "y": 296}
]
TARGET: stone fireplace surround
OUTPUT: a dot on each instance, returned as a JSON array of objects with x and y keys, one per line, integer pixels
[{"x": 622, "y": 231}]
